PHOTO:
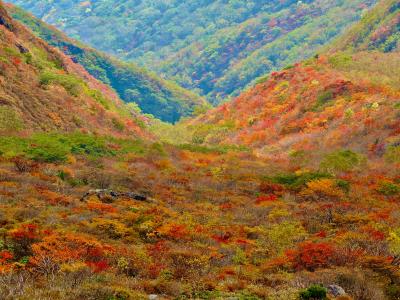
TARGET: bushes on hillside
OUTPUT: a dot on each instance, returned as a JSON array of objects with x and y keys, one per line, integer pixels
[
  {"x": 55, "y": 148},
  {"x": 314, "y": 292},
  {"x": 71, "y": 84},
  {"x": 342, "y": 161}
]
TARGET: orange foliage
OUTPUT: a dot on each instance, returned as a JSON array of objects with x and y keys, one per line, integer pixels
[{"x": 310, "y": 256}]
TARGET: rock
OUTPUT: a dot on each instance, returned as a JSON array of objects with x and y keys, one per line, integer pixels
[
  {"x": 5, "y": 19},
  {"x": 22, "y": 49},
  {"x": 336, "y": 290},
  {"x": 110, "y": 195},
  {"x": 153, "y": 297}
]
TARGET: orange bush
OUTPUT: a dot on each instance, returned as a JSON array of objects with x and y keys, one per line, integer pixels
[{"x": 311, "y": 256}]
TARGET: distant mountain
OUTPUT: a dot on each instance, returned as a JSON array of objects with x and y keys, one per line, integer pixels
[
  {"x": 378, "y": 30},
  {"x": 41, "y": 89},
  {"x": 336, "y": 100},
  {"x": 216, "y": 48},
  {"x": 161, "y": 98}
]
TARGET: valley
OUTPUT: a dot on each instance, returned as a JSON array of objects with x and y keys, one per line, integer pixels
[{"x": 291, "y": 190}]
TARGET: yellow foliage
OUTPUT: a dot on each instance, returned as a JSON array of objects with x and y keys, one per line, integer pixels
[
  {"x": 277, "y": 214},
  {"x": 71, "y": 159},
  {"x": 283, "y": 236},
  {"x": 73, "y": 267},
  {"x": 114, "y": 229},
  {"x": 394, "y": 241},
  {"x": 321, "y": 189}
]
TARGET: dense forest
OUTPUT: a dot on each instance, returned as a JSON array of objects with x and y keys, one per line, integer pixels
[
  {"x": 161, "y": 98},
  {"x": 291, "y": 191},
  {"x": 216, "y": 48}
]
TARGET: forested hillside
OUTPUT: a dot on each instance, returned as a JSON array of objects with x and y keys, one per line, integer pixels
[
  {"x": 161, "y": 98},
  {"x": 352, "y": 91},
  {"x": 213, "y": 47},
  {"x": 379, "y": 30},
  {"x": 42, "y": 89},
  {"x": 289, "y": 192}
]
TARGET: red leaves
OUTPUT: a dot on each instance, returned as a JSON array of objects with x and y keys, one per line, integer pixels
[
  {"x": 243, "y": 242},
  {"x": 101, "y": 207},
  {"x": 16, "y": 61},
  {"x": 5, "y": 256},
  {"x": 155, "y": 269},
  {"x": 157, "y": 249},
  {"x": 26, "y": 231},
  {"x": 52, "y": 197},
  {"x": 321, "y": 234},
  {"x": 6, "y": 263},
  {"x": 226, "y": 206},
  {"x": 222, "y": 238},
  {"x": 177, "y": 231},
  {"x": 226, "y": 273},
  {"x": 271, "y": 188},
  {"x": 374, "y": 234},
  {"x": 62, "y": 248},
  {"x": 266, "y": 198},
  {"x": 310, "y": 256},
  {"x": 173, "y": 230},
  {"x": 98, "y": 266}
]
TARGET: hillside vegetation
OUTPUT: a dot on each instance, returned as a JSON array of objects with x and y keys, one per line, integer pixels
[
  {"x": 42, "y": 89},
  {"x": 213, "y": 47},
  {"x": 379, "y": 30},
  {"x": 336, "y": 99},
  {"x": 163, "y": 99},
  {"x": 291, "y": 191}
]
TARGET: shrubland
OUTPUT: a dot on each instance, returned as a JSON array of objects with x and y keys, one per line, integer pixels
[
  {"x": 291, "y": 191},
  {"x": 216, "y": 223}
]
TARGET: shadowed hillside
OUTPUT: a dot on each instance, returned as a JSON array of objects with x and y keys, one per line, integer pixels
[{"x": 161, "y": 98}]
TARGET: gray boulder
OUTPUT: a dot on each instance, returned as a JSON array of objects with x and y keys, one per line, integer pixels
[{"x": 336, "y": 290}]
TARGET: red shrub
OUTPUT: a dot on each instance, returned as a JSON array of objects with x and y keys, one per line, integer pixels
[
  {"x": 5, "y": 256},
  {"x": 310, "y": 256},
  {"x": 99, "y": 266},
  {"x": 266, "y": 198},
  {"x": 26, "y": 231}
]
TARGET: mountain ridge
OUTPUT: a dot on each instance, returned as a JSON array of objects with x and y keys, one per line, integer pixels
[
  {"x": 343, "y": 88},
  {"x": 216, "y": 48},
  {"x": 156, "y": 96},
  {"x": 44, "y": 89}
]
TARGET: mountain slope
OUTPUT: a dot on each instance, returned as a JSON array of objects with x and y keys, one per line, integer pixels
[
  {"x": 378, "y": 30},
  {"x": 42, "y": 89},
  {"x": 214, "y": 47},
  {"x": 161, "y": 98},
  {"x": 338, "y": 100},
  {"x": 308, "y": 210}
]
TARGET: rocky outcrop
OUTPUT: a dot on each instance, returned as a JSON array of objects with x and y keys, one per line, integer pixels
[
  {"x": 336, "y": 290},
  {"x": 109, "y": 196},
  {"x": 5, "y": 19}
]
